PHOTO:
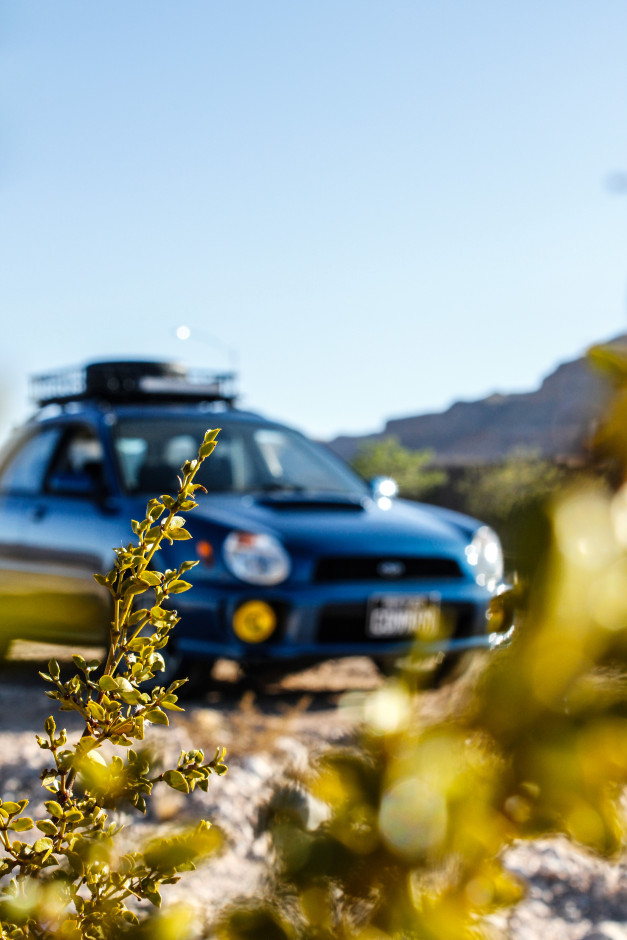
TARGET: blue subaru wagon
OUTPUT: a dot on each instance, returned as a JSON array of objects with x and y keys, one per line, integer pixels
[{"x": 300, "y": 559}]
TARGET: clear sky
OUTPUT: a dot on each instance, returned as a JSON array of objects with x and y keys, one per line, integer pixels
[{"x": 374, "y": 208}]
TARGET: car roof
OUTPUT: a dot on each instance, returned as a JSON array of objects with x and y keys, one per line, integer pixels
[{"x": 96, "y": 412}]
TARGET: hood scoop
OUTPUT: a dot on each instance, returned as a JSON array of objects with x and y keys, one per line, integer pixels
[{"x": 315, "y": 501}]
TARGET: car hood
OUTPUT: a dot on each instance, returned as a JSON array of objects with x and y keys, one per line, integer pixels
[{"x": 326, "y": 525}]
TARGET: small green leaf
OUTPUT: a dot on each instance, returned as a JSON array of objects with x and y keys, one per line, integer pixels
[
  {"x": 43, "y": 845},
  {"x": 176, "y": 780},
  {"x": 138, "y": 616},
  {"x": 153, "y": 896},
  {"x": 153, "y": 578},
  {"x": 96, "y": 711},
  {"x": 206, "y": 449},
  {"x": 179, "y": 535},
  {"x": 11, "y": 808},
  {"x": 134, "y": 586},
  {"x": 74, "y": 815},
  {"x": 108, "y": 684},
  {"x": 177, "y": 587},
  {"x": 54, "y": 808},
  {"x": 47, "y": 827},
  {"x": 21, "y": 824},
  {"x": 157, "y": 717}
]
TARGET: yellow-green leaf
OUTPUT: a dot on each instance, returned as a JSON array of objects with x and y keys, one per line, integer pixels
[
  {"x": 157, "y": 717},
  {"x": 177, "y": 587},
  {"x": 179, "y": 535},
  {"x": 176, "y": 780},
  {"x": 108, "y": 684}
]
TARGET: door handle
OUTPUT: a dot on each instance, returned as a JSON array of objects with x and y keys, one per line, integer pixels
[{"x": 38, "y": 513}]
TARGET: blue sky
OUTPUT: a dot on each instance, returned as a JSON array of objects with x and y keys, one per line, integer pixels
[{"x": 377, "y": 208}]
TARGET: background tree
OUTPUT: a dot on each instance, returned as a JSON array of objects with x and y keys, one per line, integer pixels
[
  {"x": 513, "y": 497},
  {"x": 411, "y": 469}
]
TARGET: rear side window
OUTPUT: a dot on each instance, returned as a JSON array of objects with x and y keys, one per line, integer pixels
[{"x": 25, "y": 469}]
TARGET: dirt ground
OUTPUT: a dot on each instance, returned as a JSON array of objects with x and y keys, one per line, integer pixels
[{"x": 268, "y": 727}]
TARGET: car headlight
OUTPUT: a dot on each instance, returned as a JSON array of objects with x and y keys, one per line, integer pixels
[
  {"x": 256, "y": 558},
  {"x": 485, "y": 555}
]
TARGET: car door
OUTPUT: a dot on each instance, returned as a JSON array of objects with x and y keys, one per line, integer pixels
[
  {"x": 73, "y": 524},
  {"x": 23, "y": 467}
]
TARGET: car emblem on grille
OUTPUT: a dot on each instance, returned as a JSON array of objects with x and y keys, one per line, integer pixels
[{"x": 391, "y": 569}]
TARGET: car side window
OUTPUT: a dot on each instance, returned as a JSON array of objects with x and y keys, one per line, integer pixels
[
  {"x": 78, "y": 468},
  {"x": 25, "y": 469}
]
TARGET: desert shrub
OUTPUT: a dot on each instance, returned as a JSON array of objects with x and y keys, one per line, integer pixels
[
  {"x": 501, "y": 493},
  {"x": 411, "y": 469},
  {"x": 513, "y": 496},
  {"x": 66, "y": 878},
  {"x": 402, "y": 835}
]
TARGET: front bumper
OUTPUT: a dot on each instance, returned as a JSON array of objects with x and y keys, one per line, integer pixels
[{"x": 317, "y": 622}]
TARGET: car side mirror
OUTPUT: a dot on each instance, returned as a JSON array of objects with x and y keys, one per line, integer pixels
[{"x": 384, "y": 487}]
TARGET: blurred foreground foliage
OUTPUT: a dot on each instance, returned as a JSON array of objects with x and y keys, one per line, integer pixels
[
  {"x": 68, "y": 878},
  {"x": 402, "y": 835},
  {"x": 411, "y": 469},
  {"x": 515, "y": 498}
]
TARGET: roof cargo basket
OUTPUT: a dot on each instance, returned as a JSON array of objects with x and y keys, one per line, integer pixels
[{"x": 132, "y": 382}]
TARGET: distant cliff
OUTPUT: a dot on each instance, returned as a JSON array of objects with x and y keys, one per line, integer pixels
[{"x": 555, "y": 421}]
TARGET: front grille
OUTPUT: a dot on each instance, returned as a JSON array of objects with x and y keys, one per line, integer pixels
[
  {"x": 374, "y": 567},
  {"x": 346, "y": 623}
]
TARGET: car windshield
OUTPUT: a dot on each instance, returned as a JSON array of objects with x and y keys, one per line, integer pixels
[{"x": 249, "y": 458}]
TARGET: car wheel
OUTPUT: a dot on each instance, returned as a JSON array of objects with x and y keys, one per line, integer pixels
[
  {"x": 454, "y": 667},
  {"x": 178, "y": 666},
  {"x": 5, "y": 643},
  {"x": 428, "y": 673},
  {"x": 259, "y": 676},
  {"x": 386, "y": 665}
]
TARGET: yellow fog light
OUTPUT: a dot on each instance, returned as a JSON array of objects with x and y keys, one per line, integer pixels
[{"x": 254, "y": 621}]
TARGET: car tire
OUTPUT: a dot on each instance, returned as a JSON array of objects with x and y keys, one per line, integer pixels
[
  {"x": 259, "y": 677},
  {"x": 454, "y": 667},
  {"x": 5, "y": 643},
  {"x": 179, "y": 666},
  {"x": 447, "y": 670}
]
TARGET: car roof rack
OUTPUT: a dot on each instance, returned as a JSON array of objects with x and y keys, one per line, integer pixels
[{"x": 132, "y": 381}]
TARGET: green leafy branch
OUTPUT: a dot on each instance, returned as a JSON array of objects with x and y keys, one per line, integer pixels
[{"x": 69, "y": 882}]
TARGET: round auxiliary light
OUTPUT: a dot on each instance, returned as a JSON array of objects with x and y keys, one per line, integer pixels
[{"x": 254, "y": 621}]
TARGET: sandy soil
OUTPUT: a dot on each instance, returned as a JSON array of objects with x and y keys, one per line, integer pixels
[{"x": 571, "y": 895}]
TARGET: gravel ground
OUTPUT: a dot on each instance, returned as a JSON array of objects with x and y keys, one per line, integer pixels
[{"x": 571, "y": 895}]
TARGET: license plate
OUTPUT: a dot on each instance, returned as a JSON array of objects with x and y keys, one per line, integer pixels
[{"x": 399, "y": 615}]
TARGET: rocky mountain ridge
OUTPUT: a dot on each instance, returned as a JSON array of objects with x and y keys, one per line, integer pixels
[{"x": 554, "y": 421}]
